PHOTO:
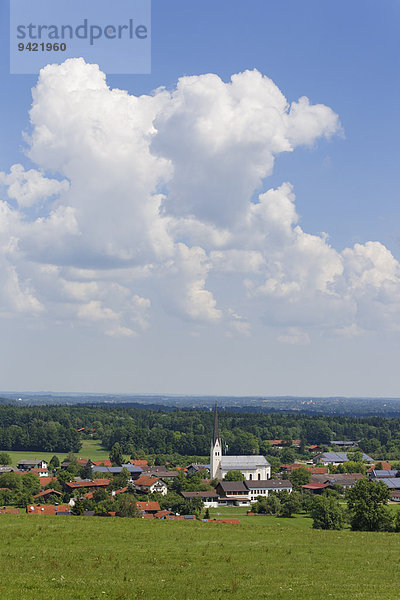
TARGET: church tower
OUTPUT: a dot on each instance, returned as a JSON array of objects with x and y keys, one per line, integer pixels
[{"x": 216, "y": 450}]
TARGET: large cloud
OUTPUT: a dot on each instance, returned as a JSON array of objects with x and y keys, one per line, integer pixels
[{"x": 137, "y": 202}]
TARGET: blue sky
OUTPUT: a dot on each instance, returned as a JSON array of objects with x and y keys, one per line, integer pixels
[{"x": 321, "y": 329}]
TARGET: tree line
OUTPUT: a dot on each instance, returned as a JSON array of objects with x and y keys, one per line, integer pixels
[{"x": 185, "y": 431}]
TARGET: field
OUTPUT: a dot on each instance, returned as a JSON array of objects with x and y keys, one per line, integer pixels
[
  {"x": 46, "y": 558},
  {"x": 90, "y": 449}
]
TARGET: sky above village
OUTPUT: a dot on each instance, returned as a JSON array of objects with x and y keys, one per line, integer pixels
[{"x": 228, "y": 224}]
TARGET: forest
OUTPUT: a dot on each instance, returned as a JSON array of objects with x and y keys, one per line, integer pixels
[{"x": 185, "y": 431}]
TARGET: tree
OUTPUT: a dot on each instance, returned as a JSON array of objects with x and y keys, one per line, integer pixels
[
  {"x": 5, "y": 458},
  {"x": 367, "y": 504},
  {"x": 207, "y": 514},
  {"x": 78, "y": 507},
  {"x": 126, "y": 506},
  {"x": 234, "y": 476},
  {"x": 31, "y": 483},
  {"x": 54, "y": 462},
  {"x": 326, "y": 513},
  {"x": 288, "y": 456},
  {"x": 116, "y": 454},
  {"x": 299, "y": 477},
  {"x": 290, "y": 503},
  {"x": 86, "y": 471}
]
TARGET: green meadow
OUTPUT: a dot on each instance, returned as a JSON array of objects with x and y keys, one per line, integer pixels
[
  {"x": 47, "y": 558},
  {"x": 90, "y": 449}
]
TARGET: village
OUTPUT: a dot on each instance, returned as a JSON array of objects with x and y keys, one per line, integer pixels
[{"x": 111, "y": 487}]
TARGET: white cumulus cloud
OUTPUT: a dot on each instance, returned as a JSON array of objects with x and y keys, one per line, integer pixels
[{"x": 161, "y": 202}]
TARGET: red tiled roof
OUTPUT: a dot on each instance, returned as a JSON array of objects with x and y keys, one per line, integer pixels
[
  {"x": 46, "y": 480},
  {"x": 231, "y": 521},
  {"x": 162, "y": 513},
  {"x": 100, "y": 463},
  {"x": 9, "y": 511},
  {"x": 86, "y": 484},
  {"x": 122, "y": 490},
  {"x": 147, "y": 516},
  {"x": 47, "y": 493},
  {"x": 46, "y": 509},
  {"x": 138, "y": 463},
  {"x": 313, "y": 470},
  {"x": 314, "y": 486},
  {"x": 146, "y": 506},
  {"x": 37, "y": 471},
  {"x": 146, "y": 480}
]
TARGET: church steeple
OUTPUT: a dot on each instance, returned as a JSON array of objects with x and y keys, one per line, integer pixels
[{"x": 216, "y": 449}]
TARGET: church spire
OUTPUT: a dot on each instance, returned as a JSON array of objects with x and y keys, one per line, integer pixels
[{"x": 216, "y": 427}]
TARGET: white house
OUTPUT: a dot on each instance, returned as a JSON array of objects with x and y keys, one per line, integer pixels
[
  {"x": 210, "y": 499},
  {"x": 252, "y": 467},
  {"x": 148, "y": 484},
  {"x": 338, "y": 458},
  {"x": 263, "y": 488},
  {"x": 28, "y": 464}
]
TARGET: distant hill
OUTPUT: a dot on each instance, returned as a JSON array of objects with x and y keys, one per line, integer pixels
[
  {"x": 6, "y": 401},
  {"x": 355, "y": 407}
]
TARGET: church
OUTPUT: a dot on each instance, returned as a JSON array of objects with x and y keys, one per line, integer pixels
[{"x": 252, "y": 467}]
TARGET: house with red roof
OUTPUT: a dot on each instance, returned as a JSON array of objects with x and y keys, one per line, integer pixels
[
  {"x": 46, "y": 480},
  {"x": 102, "y": 463},
  {"x": 46, "y": 493},
  {"x": 148, "y": 507},
  {"x": 93, "y": 484},
  {"x": 139, "y": 463},
  {"x": 48, "y": 509},
  {"x": 149, "y": 484}
]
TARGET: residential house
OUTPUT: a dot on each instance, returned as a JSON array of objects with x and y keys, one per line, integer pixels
[
  {"x": 393, "y": 483},
  {"x": 346, "y": 480},
  {"x": 148, "y": 507},
  {"x": 152, "y": 485},
  {"x": 138, "y": 463},
  {"x": 209, "y": 498},
  {"x": 160, "y": 471},
  {"x": 314, "y": 448},
  {"x": 263, "y": 488},
  {"x": 48, "y": 509},
  {"x": 40, "y": 472},
  {"x": 313, "y": 470},
  {"x": 46, "y": 493},
  {"x": 344, "y": 443},
  {"x": 338, "y": 458},
  {"x": 44, "y": 481},
  {"x": 101, "y": 463},
  {"x": 28, "y": 464},
  {"x": 92, "y": 484},
  {"x": 233, "y": 493},
  {"x": 315, "y": 487},
  {"x": 383, "y": 473},
  {"x": 195, "y": 468},
  {"x": 135, "y": 472}
]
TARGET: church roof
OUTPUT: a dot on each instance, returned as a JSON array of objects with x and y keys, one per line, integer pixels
[{"x": 236, "y": 463}]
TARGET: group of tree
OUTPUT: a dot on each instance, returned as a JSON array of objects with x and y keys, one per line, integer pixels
[
  {"x": 366, "y": 508},
  {"x": 158, "y": 432}
]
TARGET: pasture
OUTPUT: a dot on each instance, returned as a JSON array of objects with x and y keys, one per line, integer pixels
[
  {"x": 46, "y": 558},
  {"x": 90, "y": 449}
]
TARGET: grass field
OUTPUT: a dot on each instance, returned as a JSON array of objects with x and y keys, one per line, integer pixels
[
  {"x": 47, "y": 558},
  {"x": 90, "y": 449}
]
